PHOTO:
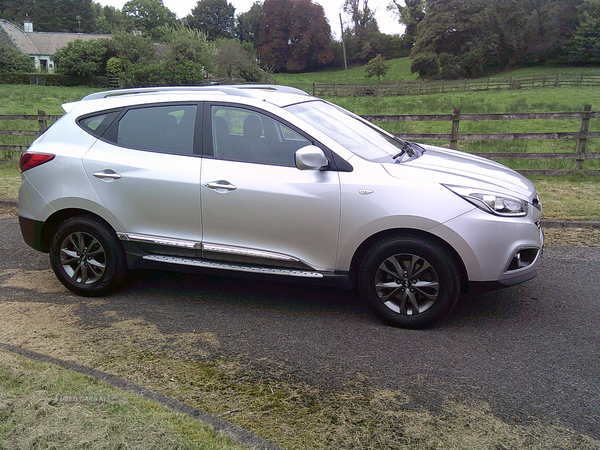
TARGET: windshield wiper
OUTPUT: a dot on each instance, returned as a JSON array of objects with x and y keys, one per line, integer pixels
[{"x": 406, "y": 148}]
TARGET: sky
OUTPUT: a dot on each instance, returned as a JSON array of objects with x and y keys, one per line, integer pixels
[{"x": 386, "y": 20}]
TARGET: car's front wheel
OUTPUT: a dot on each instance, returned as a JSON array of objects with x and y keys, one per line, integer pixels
[
  {"x": 87, "y": 256},
  {"x": 408, "y": 281}
]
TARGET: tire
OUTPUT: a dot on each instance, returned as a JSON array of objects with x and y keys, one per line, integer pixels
[
  {"x": 87, "y": 257},
  {"x": 409, "y": 282}
]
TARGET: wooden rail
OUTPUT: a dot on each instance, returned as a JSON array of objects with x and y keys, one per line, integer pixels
[
  {"x": 447, "y": 86},
  {"x": 42, "y": 118},
  {"x": 579, "y": 155}
]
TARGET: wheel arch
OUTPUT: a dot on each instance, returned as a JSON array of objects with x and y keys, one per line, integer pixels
[
  {"x": 362, "y": 250},
  {"x": 53, "y": 222}
]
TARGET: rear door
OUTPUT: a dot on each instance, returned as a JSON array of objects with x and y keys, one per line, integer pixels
[{"x": 146, "y": 170}]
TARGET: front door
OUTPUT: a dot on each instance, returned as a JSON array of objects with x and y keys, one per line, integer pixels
[{"x": 256, "y": 205}]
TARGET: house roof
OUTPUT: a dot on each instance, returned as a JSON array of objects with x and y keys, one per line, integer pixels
[{"x": 38, "y": 43}]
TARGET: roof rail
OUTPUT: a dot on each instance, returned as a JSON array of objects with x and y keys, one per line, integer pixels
[{"x": 244, "y": 90}]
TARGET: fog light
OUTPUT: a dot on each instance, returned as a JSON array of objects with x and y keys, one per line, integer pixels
[{"x": 522, "y": 259}]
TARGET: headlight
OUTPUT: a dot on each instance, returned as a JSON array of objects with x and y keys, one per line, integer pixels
[{"x": 492, "y": 202}]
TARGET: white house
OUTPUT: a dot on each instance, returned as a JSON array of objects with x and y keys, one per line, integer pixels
[{"x": 41, "y": 46}]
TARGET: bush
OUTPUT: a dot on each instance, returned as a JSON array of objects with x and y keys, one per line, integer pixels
[
  {"x": 12, "y": 60},
  {"x": 427, "y": 65}
]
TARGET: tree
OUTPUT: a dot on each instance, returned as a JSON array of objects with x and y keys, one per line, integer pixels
[
  {"x": 465, "y": 29},
  {"x": 110, "y": 20},
  {"x": 248, "y": 24},
  {"x": 363, "y": 39},
  {"x": 213, "y": 17},
  {"x": 83, "y": 58},
  {"x": 52, "y": 15},
  {"x": 550, "y": 25},
  {"x": 148, "y": 16},
  {"x": 427, "y": 65},
  {"x": 377, "y": 67},
  {"x": 11, "y": 59},
  {"x": 294, "y": 35},
  {"x": 236, "y": 59},
  {"x": 362, "y": 18},
  {"x": 188, "y": 55},
  {"x": 410, "y": 15},
  {"x": 133, "y": 48},
  {"x": 585, "y": 45}
]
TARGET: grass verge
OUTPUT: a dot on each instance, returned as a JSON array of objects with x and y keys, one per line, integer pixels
[
  {"x": 272, "y": 403},
  {"x": 37, "y": 410}
]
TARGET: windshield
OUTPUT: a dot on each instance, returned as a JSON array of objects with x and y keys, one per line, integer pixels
[{"x": 357, "y": 135}]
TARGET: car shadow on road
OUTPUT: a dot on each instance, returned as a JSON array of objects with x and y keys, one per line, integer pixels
[
  {"x": 246, "y": 292},
  {"x": 472, "y": 310}
]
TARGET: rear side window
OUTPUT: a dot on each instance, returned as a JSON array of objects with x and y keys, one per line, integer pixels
[
  {"x": 165, "y": 129},
  {"x": 98, "y": 124}
]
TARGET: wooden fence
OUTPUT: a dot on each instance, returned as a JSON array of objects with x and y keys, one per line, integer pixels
[
  {"x": 581, "y": 136},
  {"x": 42, "y": 118},
  {"x": 579, "y": 155},
  {"x": 447, "y": 86}
]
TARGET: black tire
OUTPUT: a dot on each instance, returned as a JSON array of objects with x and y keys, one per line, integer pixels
[
  {"x": 409, "y": 282},
  {"x": 87, "y": 257}
]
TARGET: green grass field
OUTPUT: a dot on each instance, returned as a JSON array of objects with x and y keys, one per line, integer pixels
[
  {"x": 290, "y": 413},
  {"x": 399, "y": 71},
  {"x": 28, "y": 99}
]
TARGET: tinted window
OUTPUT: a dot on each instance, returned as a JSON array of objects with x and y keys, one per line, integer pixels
[
  {"x": 97, "y": 125},
  {"x": 244, "y": 135},
  {"x": 165, "y": 129}
]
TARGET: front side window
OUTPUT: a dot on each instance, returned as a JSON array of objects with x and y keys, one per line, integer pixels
[
  {"x": 245, "y": 135},
  {"x": 165, "y": 129}
]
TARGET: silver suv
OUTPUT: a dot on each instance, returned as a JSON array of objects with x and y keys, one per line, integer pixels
[{"x": 268, "y": 181}]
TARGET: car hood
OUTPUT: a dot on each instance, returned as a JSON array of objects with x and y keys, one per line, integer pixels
[{"x": 458, "y": 168}]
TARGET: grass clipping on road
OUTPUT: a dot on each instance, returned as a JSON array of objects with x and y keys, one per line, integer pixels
[
  {"x": 38, "y": 410},
  {"x": 273, "y": 404}
]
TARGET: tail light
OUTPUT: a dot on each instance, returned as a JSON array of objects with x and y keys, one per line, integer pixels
[{"x": 31, "y": 160}]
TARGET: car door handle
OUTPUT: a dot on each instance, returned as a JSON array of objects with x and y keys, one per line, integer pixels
[
  {"x": 107, "y": 175},
  {"x": 221, "y": 186}
]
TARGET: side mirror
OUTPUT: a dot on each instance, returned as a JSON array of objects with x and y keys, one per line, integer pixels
[{"x": 311, "y": 157}]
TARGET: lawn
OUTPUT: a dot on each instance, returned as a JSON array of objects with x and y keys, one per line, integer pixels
[
  {"x": 28, "y": 99},
  {"x": 283, "y": 410},
  {"x": 399, "y": 71}
]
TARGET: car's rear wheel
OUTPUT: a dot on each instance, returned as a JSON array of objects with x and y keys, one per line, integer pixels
[
  {"x": 87, "y": 256},
  {"x": 409, "y": 282}
]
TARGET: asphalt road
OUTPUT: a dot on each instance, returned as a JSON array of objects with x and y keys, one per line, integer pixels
[{"x": 531, "y": 351}]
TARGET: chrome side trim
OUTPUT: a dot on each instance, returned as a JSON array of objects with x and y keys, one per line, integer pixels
[
  {"x": 215, "y": 248},
  {"x": 235, "y": 267},
  {"x": 159, "y": 240},
  {"x": 247, "y": 252}
]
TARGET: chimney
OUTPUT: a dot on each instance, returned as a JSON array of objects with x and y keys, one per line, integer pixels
[{"x": 27, "y": 26}]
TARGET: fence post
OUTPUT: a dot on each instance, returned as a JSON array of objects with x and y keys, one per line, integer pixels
[
  {"x": 43, "y": 124},
  {"x": 314, "y": 90},
  {"x": 581, "y": 142},
  {"x": 454, "y": 133}
]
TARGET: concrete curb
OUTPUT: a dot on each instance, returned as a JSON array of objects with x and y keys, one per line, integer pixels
[
  {"x": 234, "y": 432},
  {"x": 549, "y": 223},
  {"x": 570, "y": 224}
]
